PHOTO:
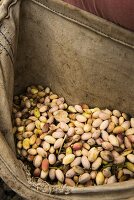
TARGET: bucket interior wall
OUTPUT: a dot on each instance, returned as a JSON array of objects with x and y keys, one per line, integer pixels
[{"x": 75, "y": 62}]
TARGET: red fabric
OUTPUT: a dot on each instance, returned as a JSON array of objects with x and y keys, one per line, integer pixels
[{"x": 120, "y": 12}]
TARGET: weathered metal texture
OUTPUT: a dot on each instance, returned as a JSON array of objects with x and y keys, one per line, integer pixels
[{"x": 81, "y": 57}]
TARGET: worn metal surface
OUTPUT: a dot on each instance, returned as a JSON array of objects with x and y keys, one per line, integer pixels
[{"x": 81, "y": 57}]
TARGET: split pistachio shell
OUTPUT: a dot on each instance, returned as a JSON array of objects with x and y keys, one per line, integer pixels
[{"x": 52, "y": 159}]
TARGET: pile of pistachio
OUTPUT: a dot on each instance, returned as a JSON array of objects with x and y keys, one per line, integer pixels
[{"x": 72, "y": 145}]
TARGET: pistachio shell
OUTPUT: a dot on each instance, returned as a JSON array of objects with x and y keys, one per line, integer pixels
[
  {"x": 104, "y": 125},
  {"x": 36, "y": 112},
  {"x": 81, "y": 118},
  {"x": 87, "y": 128},
  {"x": 107, "y": 146},
  {"x": 63, "y": 126},
  {"x": 32, "y": 151},
  {"x": 97, "y": 123},
  {"x": 58, "y": 144},
  {"x": 111, "y": 180},
  {"x": 46, "y": 146},
  {"x": 60, "y": 175},
  {"x": 126, "y": 125},
  {"x": 45, "y": 165},
  {"x": 130, "y": 131},
  {"x": 61, "y": 116},
  {"x": 30, "y": 127},
  {"x": 70, "y": 173},
  {"x": 116, "y": 113},
  {"x": 119, "y": 159},
  {"x": 130, "y": 157},
  {"x": 72, "y": 109},
  {"x": 84, "y": 178},
  {"x": 37, "y": 161},
  {"x": 52, "y": 174},
  {"x": 130, "y": 166},
  {"x": 49, "y": 139},
  {"x": 106, "y": 155},
  {"x": 132, "y": 122},
  {"x": 68, "y": 159},
  {"x": 113, "y": 140},
  {"x": 69, "y": 182},
  {"x": 100, "y": 178},
  {"x": 86, "y": 136},
  {"x": 118, "y": 129},
  {"x": 78, "y": 108},
  {"x": 44, "y": 174},
  {"x": 93, "y": 154},
  {"x": 78, "y": 170},
  {"x": 97, "y": 163},
  {"x": 41, "y": 152},
  {"x": 52, "y": 159},
  {"x": 85, "y": 162},
  {"x": 71, "y": 131},
  {"x": 69, "y": 150},
  {"x": 104, "y": 116},
  {"x": 77, "y": 146},
  {"x": 32, "y": 139},
  {"x": 26, "y": 143},
  {"x": 58, "y": 134},
  {"x": 76, "y": 162}
]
